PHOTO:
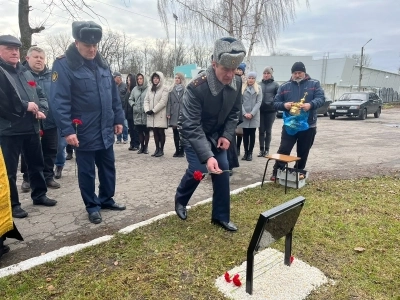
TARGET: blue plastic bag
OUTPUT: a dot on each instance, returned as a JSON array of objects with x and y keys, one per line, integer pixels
[{"x": 294, "y": 124}]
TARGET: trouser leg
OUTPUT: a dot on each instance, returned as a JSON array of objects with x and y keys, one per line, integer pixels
[
  {"x": 105, "y": 162},
  {"x": 49, "y": 148},
  {"x": 286, "y": 146},
  {"x": 304, "y": 144},
  {"x": 11, "y": 147},
  {"x": 221, "y": 189},
  {"x": 86, "y": 178},
  {"x": 32, "y": 150}
]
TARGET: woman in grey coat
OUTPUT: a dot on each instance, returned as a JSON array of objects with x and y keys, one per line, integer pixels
[
  {"x": 251, "y": 102},
  {"x": 136, "y": 100},
  {"x": 173, "y": 108}
]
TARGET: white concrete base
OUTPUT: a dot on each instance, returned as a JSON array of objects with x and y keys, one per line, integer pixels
[{"x": 272, "y": 280}]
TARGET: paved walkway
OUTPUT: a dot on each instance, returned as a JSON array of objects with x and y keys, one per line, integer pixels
[{"x": 147, "y": 184}]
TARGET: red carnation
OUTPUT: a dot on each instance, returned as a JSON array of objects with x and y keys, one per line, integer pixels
[
  {"x": 291, "y": 258},
  {"x": 197, "y": 175},
  {"x": 236, "y": 280},
  {"x": 32, "y": 83},
  {"x": 41, "y": 132},
  {"x": 77, "y": 122},
  {"x": 227, "y": 277}
]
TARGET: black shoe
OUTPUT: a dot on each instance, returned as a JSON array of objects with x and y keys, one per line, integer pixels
[
  {"x": 155, "y": 152},
  {"x": 229, "y": 226},
  {"x": 115, "y": 206},
  {"x": 18, "y": 212},
  {"x": 146, "y": 150},
  {"x": 244, "y": 156},
  {"x": 159, "y": 153},
  {"x": 261, "y": 153},
  {"x": 52, "y": 184},
  {"x": 266, "y": 152},
  {"x": 249, "y": 157},
  {"x": 140, "y": 151},
  {"x": 58, "y": 172},
  {"x": 95, "y": 217},
  {"x": 130, "y": 148},
  {"x": 181, "y": 153},
  {"x": 180, "y": 210},
  {"x": 45, "y": 201},
  {"x": 69, "y": 156},
  {"x": 25, "y": 187},
  {"x": 175, "y": 154},
  {"x": 3, "y": 250},
  {"x": 135, "y": 148}
]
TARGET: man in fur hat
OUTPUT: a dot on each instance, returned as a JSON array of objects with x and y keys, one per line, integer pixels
[
  {"x": 83, "y": 91},
  {"x": 207, "y": 122}
]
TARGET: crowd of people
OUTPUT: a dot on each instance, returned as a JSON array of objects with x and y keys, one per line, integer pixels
[{"x": 80, "y": 107}]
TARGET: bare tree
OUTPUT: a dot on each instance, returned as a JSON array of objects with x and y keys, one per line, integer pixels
[
  {"x": 72, "y": 7},
  {"x": 280, "y": 53},
  {"x": 249, "y": 20},
  {"x": 357, "y": 57}
]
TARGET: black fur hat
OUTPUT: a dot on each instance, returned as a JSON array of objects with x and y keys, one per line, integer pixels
[{"x": 87, "y": 32}]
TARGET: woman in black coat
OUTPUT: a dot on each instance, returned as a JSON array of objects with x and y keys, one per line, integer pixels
[{"x": 131, "y": 83}]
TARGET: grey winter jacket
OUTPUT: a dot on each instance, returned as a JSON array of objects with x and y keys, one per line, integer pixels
[
  {"x": 251, "y": 102},
  {"x": 136, "y": 100},
  {"x": 174, "y": 105}
]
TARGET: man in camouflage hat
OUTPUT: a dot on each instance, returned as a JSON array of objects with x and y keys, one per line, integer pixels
[
  {"x": 84, "y": 90},
  {"x": 208, "y": 118}
]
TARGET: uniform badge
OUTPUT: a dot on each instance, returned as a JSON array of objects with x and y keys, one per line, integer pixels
[{"x": 54, "y": 76}]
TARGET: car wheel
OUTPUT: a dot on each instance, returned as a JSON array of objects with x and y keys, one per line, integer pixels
[
  {"x": 378, "y": 112},
  {"x": 325, "y": 114},
  {"x": 332, "y": 117},
  {"x": 362, "y": 115}
]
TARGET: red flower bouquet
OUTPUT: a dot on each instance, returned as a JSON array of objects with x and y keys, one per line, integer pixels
[
  {"x": 32, "y": 83},
  {"x": 198, "y": 175}
]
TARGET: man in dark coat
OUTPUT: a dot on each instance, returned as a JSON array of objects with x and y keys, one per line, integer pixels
[
  {"x": 300, "y": 85},
  {"x": 208, "y": 118},
  {"x": 35, "y": 62},
  {"x": 83, "y": 91},
  {"x": 23, "y": 134}
]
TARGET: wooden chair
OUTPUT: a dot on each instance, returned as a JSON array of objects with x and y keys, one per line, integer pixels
[{"x": 286, "y": 159}]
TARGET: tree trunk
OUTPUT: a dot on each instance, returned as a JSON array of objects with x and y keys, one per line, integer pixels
[{"x": 25, "y": 29}]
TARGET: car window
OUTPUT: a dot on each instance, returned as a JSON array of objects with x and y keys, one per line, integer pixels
[{"x": 353, "y": 96}]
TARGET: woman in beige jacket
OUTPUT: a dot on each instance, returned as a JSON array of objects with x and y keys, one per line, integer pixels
[{"x": 155, "y": 107}]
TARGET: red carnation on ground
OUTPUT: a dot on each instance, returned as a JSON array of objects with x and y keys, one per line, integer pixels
[
  {"x": 77, "y": 122},
  {"x": 291, "y": 258},
  {"x": 227, "y": 277},
  {"x": 197, "y": 175},
  {"x": 236, "y": 280},
  {"x": 32, "y": 83}
]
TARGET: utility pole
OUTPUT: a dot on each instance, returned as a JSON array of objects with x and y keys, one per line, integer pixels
[
  {"x": 361, "y": 65},
  {"x": 176, "y": 19}
]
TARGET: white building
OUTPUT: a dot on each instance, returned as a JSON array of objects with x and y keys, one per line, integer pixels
[{"x": 337, "y": 75}]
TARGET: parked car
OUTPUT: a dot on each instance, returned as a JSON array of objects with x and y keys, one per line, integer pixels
[
  {"x": 356, "y": 104},
  {"x": 323, "y": 110}
]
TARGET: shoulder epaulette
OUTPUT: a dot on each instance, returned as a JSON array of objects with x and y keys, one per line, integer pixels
[
  {"x": 199, "y": 80},
  {"x": 61, "y": 56}
]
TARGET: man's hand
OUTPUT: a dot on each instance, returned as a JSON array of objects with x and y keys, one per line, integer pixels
[
  {"x": 212, "y": 166},
  {"x": 40, "y": 115},
  {"x": 288, "y": 105},
  {"x": 118, "y": 129},
  {"x": 223, "y": 143},
  {"x": 32, "y": 106},
  {"x": 306, "y": 106},
  {"x": 72, "y": 140}
]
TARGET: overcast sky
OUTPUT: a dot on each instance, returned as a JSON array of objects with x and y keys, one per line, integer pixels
[{"x": 336, "y": 27}]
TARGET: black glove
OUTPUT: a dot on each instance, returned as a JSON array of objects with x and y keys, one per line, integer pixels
[{"x": 150, "y": 112}]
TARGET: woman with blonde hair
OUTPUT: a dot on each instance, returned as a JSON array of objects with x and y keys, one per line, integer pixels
[
  {"x": 155, "y": 107},
  {"x": 173, "y": 108},
  {"x": 251, "y": 102}
]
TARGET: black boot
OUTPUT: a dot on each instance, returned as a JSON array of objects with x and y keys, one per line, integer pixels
[
  {"x": 262, "y": 153},
  {"x": 141, "y": 149},
  {"x": 176, "y": 142},
  {"x": 245, "y": 156},
  {"x": 249, "y": 156},
  {"x": 145, "y": 150},
  {"x": 160, "y": 153},
  {"x": 181, "y": 152},
  {"x": 155, "y": 152}
]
